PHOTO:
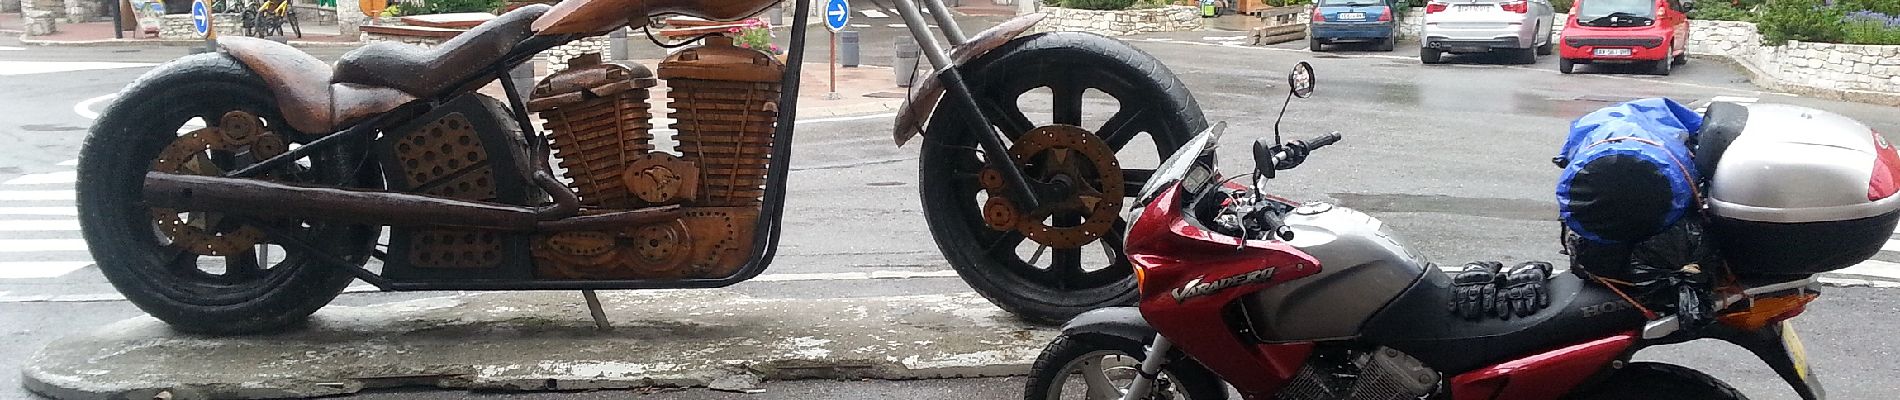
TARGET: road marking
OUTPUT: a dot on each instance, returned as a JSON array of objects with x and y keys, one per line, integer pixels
[
  {"x": 84, "y": 107},
  {"x": 360, "y": 287},
  {"x": 1222, "y": 38},
  {"x": 11, "y": 48},
  {"x": 874, "y": 13},
  {"x": 39, "y": 269},
  {"x": 35, "y": 195},
  {"x": 67, "y": 211},
  {"x": 46, "y": 178},
  {"x": 1874, "y": 268},
  {"x": 855, "y": 276},
  {"x": 1735, "y": 99},
  {"x": 33, "y": 245},
  {"x": 44, "y": 67},
  {"x": 69, "y": 163},
  {"x": 37, "y": 225},
  {"x": 1892, "y": 245}
]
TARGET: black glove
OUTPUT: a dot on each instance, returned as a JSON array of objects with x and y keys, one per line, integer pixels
[
  {"x": 1291, "y": 156},
  {"x": 1475, "y": 290},
  {"x": 1523, "y": 292}
]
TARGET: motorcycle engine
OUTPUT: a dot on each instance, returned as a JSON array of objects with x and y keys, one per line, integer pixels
[{"x": 1379, "y": 374}]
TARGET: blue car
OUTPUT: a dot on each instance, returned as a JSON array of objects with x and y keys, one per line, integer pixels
[{"x": 1336, "y": 21}]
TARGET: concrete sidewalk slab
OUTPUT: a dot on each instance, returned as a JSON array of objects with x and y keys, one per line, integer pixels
[{"x": 546, "y": 341}]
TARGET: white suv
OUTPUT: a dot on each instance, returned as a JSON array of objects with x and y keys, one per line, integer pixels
[{"x": 1519, "y": 27}]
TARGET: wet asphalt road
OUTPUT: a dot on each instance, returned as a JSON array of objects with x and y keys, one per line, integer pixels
[{"x": 1454, "y": 157}]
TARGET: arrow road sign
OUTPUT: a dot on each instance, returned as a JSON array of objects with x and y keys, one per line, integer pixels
[
  {"x": 837, "y": 14},
  {"x": 200, "y": 17}
]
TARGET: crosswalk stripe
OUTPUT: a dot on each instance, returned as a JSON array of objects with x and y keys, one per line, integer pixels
[
  {"x": 39, "y": 269},
  {"x": 42, "y": 67},
  {"x": 874, "y": 13},
  {"x": 38, "y": 225},
  {"x": 45, "y": 178},
  {"x": 1891, "y": 245},
  {"x": 39, "y": 245},
  {"x": 11, "y": 48},
  {"x": 1875, "y": 268},
  {"x": 69, "y": 163},
  {"x": 35, "y": 195},
  {"x": 67, "y": 211}
]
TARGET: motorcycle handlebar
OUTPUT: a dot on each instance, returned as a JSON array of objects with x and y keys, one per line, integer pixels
[{"x": 1321, "y": 141}]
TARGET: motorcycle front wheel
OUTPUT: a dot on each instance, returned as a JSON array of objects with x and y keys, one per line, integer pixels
[
  {"x": 1097, "y": 367},
  {"x": 210, "y": 272},
  {"x": 1094, "y": 89}
]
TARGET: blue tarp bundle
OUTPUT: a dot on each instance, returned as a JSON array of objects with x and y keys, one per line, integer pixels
[{"x": 1628, "y": 172}]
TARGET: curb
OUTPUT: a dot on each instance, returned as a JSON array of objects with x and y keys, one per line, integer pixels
[
  {"x": 161, "y": 42},
  {"x": 1761, "y": 78}
]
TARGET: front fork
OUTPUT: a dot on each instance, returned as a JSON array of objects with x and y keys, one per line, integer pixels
[
  {"x": 1150, "y": 369},
  {"x": 1027, "y": 199}
]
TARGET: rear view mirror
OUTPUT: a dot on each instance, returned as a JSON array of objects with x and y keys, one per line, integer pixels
[{"x": 1300, "y": 81}]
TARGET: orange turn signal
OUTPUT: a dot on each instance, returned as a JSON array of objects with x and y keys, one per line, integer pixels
[{"x": 1769, "y": 310}]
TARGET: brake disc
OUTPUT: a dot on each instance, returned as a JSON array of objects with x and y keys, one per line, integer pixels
[
  {"x": 1068, "y": 155},
  {"x": 242, "y": 136}
]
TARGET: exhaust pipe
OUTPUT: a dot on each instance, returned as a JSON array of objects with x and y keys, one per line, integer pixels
[{"x": 369, "y": 207}]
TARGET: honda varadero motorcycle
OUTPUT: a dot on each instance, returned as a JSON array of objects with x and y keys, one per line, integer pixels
[
  {"x": 1285, "y": 300},
  {"x": 241, "y": 190}
]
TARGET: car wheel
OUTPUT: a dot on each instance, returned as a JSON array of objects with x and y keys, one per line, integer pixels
[
  {"x": 1523, "y": 56},
  {"x": 1663, "y": 66},
  {"x": 1313, "y": 44},
  {"x": 1430, "y": 56},
  {"x": 1390, "y": 42},
  {"x": 1566, "y": 66},
  {"x": 1550, "y": 46},
  {"x": 1681, "y": 58}
]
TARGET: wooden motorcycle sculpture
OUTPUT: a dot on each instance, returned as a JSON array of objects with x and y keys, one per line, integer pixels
[{"x": 241, "y": 190}]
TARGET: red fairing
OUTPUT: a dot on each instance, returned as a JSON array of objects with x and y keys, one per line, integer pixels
[
  {"x": 1549, "y": 375},
  {"x": 1190, "y": 275},
  {"x": 1886, "y": 178}
]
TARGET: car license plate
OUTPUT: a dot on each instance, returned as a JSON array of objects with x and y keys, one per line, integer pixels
[
  {"x": 1613, "y": 52},
  {"x": 1473, "y": 7},
  {"x": 1353, "y": 16}
]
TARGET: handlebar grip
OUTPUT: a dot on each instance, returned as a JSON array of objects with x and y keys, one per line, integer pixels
[{"x": 1322, "y": 141}]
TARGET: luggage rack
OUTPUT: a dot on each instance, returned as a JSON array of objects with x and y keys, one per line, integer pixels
[{"x": 1665, "y": 326}]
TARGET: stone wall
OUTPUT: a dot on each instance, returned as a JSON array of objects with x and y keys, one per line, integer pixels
[
  {"x": 9, "y": 5},
  {"x": 557, "y": 57},
  {"x": 1835, "y": 70},
  {"x": 40, "y": 16},
  {"x": 1123, "y": 22},
  {"x": 83, "y": 11},
  {"x": 179, "y": 26}
]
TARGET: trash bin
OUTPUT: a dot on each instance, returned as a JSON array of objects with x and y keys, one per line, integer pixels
[
  {"x": 848, "y": 48},
  {"x": 905, "y": 65}
]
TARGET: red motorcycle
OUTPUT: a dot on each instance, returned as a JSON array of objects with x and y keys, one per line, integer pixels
[{"x": 1283, "y": 300}]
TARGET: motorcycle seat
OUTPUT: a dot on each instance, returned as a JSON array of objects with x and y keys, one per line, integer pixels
[
  {"x": 422, "y": 72},
  {"x": 1419, "y": 324}
]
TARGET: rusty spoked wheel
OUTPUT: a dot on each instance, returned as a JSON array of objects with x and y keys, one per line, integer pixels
[
  {"x": 200, "y": 270},
  {"x": 1085, "y": 115}
]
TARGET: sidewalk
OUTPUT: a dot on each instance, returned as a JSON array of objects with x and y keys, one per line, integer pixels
[
  {"x": 100, "y": 33},
  {"x": 538, "y": 341}
]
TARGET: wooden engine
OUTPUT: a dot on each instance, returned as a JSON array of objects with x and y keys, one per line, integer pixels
[{"x": 724, "y": 99}]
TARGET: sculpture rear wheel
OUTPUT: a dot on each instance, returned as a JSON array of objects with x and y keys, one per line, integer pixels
[{"x": 1082, "y": 112}]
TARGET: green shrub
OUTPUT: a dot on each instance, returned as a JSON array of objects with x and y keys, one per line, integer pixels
[
  {"x": 426, "y": 7},
  {"x": 1869, "y": 32},
  {"x": 1719, "y": 11},
  {"x": 1561, "y": 6},
  {"x": 1803, "y": 20},
  {"x": 1098, "y": 4},
  {"x": 1889, "y": 7}
]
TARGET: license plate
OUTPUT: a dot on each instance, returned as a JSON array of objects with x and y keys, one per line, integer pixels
[
  {"x": 1796, "y": 352},
  {"x": 1472, "y": 7},
  {"x": 1613, "y": 52},
  {"x": 1352, "y": 16}
]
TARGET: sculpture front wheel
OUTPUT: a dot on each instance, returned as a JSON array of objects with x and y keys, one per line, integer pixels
[{"x": 1085, "y": 112}]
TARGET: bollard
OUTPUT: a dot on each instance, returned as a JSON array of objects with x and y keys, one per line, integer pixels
[
  {"x": 848, "y": 49},
  {"x": 905, "y": 65},
  {"x": 617, "y": 45}
]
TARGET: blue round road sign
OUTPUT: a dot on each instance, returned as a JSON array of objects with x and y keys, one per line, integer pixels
[
  {"x": 200, "y": 17},
  {"x": 837, "y": 13}
]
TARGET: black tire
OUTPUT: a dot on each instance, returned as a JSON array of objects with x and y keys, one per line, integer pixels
[
  {"x": 1664, "y": 66},
  {"x": 1648, "y": 380},
  {"x": 1313, "y": 44},
  {"x": 1549, "y": 47},
  {"x": 1390, "y": 43},
  {"x": 949, "y": 163},
  {"x": 1182, "y": 374},
  {"x": 1681, "y": 59},
  {"x": 1431, "y": 56},
  {"x": 1566, "y": 66},
  {"x": 1523, "y": 56},
  {"x": 166, "y": 282}
]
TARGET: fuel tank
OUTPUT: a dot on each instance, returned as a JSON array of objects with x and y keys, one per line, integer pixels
[{"x": 1363, "y": 266}]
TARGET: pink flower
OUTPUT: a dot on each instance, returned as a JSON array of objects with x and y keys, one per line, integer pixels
[
  {"x": 775, "y": 49},
  {"x": 732, "y": 30}
]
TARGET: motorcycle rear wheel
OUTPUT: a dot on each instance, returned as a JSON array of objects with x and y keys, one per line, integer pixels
[
  {"x": 1106, "y": 366},
  {"x": 1001, "y": 265},
  {"x": 1648, "y": 380},
  {"x": 266, "y": 287}
]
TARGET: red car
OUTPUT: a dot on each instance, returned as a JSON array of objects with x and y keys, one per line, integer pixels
[{"x": 1653, "y": 32}]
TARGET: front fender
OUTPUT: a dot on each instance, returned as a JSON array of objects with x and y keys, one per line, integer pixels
[
  {"x": 924, "y": 97},
  {"x": 1123, "y": 322}
]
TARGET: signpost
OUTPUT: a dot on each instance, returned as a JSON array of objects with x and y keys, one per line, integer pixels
[
  {"x": 201, "y": 23},
  {"x": 837, "y": 15}
]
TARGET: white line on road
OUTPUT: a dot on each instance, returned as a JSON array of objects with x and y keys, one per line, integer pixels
[
  {"x": 84, "y": 107},
  {"x": 37, "y": 225},
  {"x": 69, "y": 163},
  {"x": 39, "y": 269},
  {"x": 46, "y": 178},
  {"x": 1892, "y": 245},
  {"x": 33, "y": 245},
  {"x": 42, "y": 67},
  {"x": 874, "y": 13},
  {"x": 68, "y": 211},
  {"x": 11, "y": 48},
  {"x": 35, "y": 195},
  {"x": 360, "y": 287},
  {"x": 1874, "y": 268}
]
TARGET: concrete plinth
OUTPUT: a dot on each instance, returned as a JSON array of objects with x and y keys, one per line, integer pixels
[
  {"x": 546, "y": 341},
  {"x": 41, "y": 16}
]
